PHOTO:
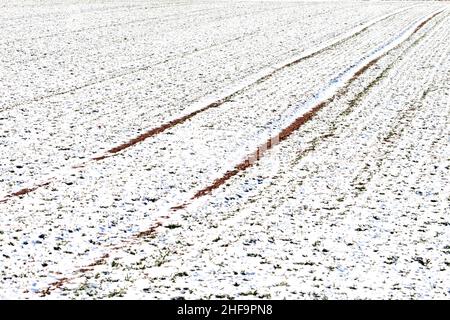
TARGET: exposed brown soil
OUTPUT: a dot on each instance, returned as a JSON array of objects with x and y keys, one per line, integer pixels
[
  {"x": 23, "y": 192},
  {"x": 161, "y": 128},
  {"x": 171, "y": 124},
  {"x": 215, "y": 104},
  {"x": 58, "y": 284},
  {"x": 250, "y": 160},
  {"x": 181, "y": 206},
  {"x": 424, "y": 22},
  {"x": 261, "y": 150},
  {"x": 99, "y": 261},
  {"x": 286, "y": 132},
  {"x": 150, "y": 232}
]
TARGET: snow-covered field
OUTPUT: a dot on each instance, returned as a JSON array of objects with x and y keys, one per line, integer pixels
[{"x": 224, "y": 149}]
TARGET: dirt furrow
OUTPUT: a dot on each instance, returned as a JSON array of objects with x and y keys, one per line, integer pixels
[
  {"x": 252, "y": 158},
  {"x": 228, "y": 96},
  {"x": 221, "y": 101},
  {"x": 283, "y": 135},
  {"x": 261, "y": 151}
]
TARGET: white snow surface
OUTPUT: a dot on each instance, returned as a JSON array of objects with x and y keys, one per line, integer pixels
[{"x": 354, "y": 204}]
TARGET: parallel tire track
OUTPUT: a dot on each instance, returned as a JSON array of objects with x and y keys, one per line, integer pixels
[
  {"x": 261, "y": 150},
  {"x": 212, "y": 102},
  {"x": 245, "y": 86}
]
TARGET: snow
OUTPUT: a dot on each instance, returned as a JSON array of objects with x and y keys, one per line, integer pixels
[{"x": 354, "y": 204}]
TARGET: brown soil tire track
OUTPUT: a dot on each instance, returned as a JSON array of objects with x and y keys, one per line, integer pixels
[
  {"x": 60, "y": 282},
  {"x": 261, "y": 150},
  {"x": 221, "y": 101},
  {"x": 420, "y": 26},
  {"x": 155, "y": 131},
  {"x": 24, "y": 191},
  {"x": 286, "y": 132}
]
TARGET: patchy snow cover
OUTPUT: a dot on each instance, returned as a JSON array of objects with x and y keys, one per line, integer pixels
[{"x": 353, "y": 204}]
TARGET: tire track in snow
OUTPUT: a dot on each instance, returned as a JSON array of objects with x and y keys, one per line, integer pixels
[
  {"x": 335, "y": 88},
  {"x": 208, "y": 102},
  {"x": 353, "y": 103},
  {"x": 211, "y": 102}
]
